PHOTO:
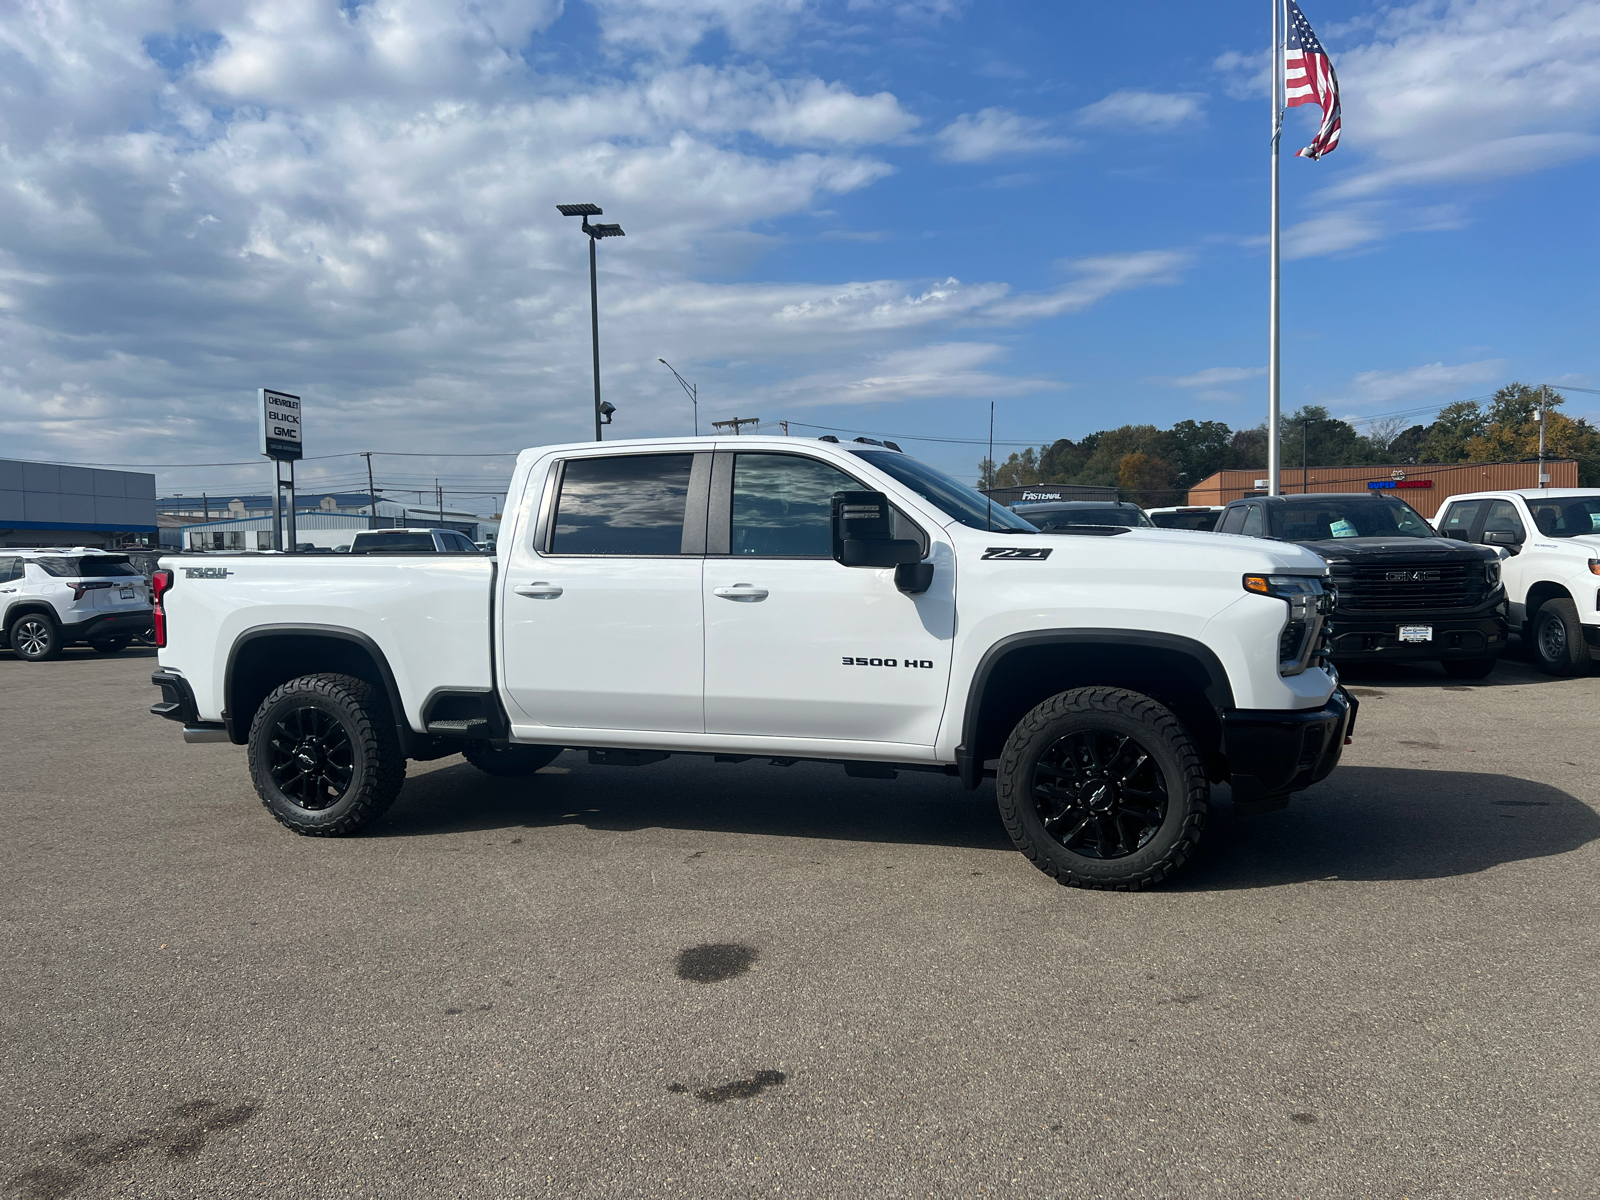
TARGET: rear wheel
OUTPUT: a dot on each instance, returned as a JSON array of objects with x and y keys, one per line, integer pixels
[
  {"x": 1558, "y": 644},
  {"x": 109, "y": 645},
  {"x": 324, "y": 756},
  {"x": 1468, "y": 668},
  {"x": 35, "y": 637},
  {"x": 509, "y": 761},
  {"x": 1103, "y": 788}
]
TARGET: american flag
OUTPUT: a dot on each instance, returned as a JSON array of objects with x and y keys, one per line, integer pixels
[{"x": 1308, "y": 78}]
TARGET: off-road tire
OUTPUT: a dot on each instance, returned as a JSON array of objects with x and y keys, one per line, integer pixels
[
  {"x": 1118, "y": 713},
  {"x": 1468, "y": 668},
  {"x": 108, "y": 645},
  {"x": 1557, "y": 636},
  {"x": 509, "y": 762},
  {"x": 35, "y": 637},
  {"x": 378, "y": 768}
]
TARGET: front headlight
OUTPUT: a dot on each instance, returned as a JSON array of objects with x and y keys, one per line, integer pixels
[
  {"x": 1491, "y": 573},
  {"x": 1309, "y": 602}
]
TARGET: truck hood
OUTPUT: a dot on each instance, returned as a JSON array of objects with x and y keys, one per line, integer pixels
[
  {"x": 1190, "y": 547},
  {"x": 1381, "y": 550}
]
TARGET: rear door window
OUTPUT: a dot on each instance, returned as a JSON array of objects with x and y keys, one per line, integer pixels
[
  {"x": 10, "y": 568},
  {"x": 628, "y": 505},
  {"x": 1458, "y": 520}
]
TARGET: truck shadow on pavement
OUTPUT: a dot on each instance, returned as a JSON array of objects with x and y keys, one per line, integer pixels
[
  {"x": 1383, "y": 823},
  {"x": 1363, "y": 823}
]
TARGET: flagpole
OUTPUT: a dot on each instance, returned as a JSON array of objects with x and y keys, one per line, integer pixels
[{"x": 1274, "y": 458}]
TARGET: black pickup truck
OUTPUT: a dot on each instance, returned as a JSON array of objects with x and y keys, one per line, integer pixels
[{"x": 1404, "y": 591}]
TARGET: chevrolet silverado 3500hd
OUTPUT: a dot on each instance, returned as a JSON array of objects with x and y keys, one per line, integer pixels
[{"x": 785, "y": 599}]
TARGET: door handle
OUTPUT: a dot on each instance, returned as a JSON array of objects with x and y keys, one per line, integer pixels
[
  {"x": 746, "y": 592},
  {"x": 538, "y": 590}
]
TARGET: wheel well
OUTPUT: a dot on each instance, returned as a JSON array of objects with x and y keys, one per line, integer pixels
[
  {"x": 27, "y": 606},
  {"x": 1020, "y": 677},
  {"x": 1539, "y": 593},
  {"x": 262, "y": 661}
]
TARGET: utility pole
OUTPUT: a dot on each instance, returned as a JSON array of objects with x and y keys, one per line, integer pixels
[
  {"x": 736, "y": 423},
  {"x": 205, "y": 504},
  {"x": 785, "y": 425},
  {"x": 1544, "y": 395},
  {"x": 372, "y": 497},
  {"x": 1305, "y": 458},
  {"x": 439, "y": 494}
]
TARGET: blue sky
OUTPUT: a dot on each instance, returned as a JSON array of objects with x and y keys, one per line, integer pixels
[{"x": 867, "y": 215}]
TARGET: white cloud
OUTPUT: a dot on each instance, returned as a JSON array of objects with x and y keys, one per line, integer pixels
[
  {"x": 1143, "y": 110},
  {"x": 1211, "y": 376},
  {"x": 1425, "y": 382},
  {"x": 927, "y": 372},
  {"x": 1096, "y": 279},
  {"x": 996, "y": 133}
]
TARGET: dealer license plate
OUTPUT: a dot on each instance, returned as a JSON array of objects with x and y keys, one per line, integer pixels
[
  {"x": 1416, "y": 633},
  {"x": 127, "y": 593}
]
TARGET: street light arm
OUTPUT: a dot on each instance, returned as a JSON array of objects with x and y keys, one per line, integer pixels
[{"x": 682, "y": 382}]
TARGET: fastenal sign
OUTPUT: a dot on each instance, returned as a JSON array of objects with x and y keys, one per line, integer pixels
[{"x": 281, "y": 425}]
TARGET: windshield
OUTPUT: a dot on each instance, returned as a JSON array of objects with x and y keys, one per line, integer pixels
[
  {"x": 96, "y": 566},
  {"x": 1313, "y": 520},
  {"x": 1566, "y": 516},
  {"x": 967, "y": 505},
  {"x": 1204, "y": 521},
  {"x": 1055, "y": 518}
]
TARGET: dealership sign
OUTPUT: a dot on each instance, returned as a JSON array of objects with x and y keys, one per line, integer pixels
[
  {"x": 281, "y": 425},
  {"x": 1401, "y": 483}
]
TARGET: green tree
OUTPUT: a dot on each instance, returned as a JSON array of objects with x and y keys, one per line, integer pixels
[
  {"x": 1148, "y": 481},
  {"x": 1110, "y": 446},
  {"x": 1329, "y": 441},
  {"x": 1201, "y": 449},
  {"x": 1446, "y": 439},
  {"x": 1511, "y": 433}
]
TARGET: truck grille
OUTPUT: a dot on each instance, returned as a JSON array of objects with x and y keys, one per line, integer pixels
[{"x": 1406, "y": 586}]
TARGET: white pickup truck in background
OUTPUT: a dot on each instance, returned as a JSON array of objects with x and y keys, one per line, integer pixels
[
  {"x": 1549, "y": 540},
  {"x": 787, "y": 599}
]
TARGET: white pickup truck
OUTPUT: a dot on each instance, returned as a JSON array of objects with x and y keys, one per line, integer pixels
[
  {"x": 784, "y": 599},
  {"x": 1550, "y": 542}
]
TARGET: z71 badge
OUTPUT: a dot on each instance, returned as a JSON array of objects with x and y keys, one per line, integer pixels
[{"x": 1016, "y": 552}]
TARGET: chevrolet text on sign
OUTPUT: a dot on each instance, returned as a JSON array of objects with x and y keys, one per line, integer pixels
[{"x": 281, "y": 416}]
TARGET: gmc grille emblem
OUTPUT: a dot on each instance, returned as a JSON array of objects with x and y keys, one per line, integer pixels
[{"x": 1410, "y": 576}]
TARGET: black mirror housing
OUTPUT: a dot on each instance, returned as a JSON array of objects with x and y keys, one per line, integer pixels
[{"x": 863, "y": 532}]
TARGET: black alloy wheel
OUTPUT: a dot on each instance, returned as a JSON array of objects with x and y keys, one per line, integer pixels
[
  {"x": 35, "y": 638},
  {"x": 325, "y": 757},
  {"x": 1099, "y": 793},
  {"x": 1103, "y": 788},
  {"x": 313, "y": 762}
]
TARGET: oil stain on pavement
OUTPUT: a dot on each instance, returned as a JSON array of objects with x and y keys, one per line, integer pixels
[{"x": 715, "y": 963}]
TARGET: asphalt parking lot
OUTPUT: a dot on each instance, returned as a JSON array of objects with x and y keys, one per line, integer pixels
[{"x": 1388, "y": 989}]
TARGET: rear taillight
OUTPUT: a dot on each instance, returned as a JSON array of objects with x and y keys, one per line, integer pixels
[
  {"x": 78, "y": 589},
  {"x": 160, "y": 585}
]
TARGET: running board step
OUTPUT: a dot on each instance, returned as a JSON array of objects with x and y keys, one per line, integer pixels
[{"x": 477, "y": 727}]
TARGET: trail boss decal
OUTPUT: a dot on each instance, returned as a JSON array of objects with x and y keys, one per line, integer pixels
[
  {"x": 206, "y": 572},
  {"x": 925, "y": 664},
  {"x": 1016, "y": 552}
]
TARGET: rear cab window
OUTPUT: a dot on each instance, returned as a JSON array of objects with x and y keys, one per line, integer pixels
[{"x": 624, "y": 505}]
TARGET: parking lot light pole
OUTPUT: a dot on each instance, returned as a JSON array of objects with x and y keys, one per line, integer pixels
[
  {"x": 691, "y": 388},
  {"x": 595, "y": 233}
]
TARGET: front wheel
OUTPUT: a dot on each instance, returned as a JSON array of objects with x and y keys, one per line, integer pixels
[
  {"x": 1558, "y": 644},
  {"x": 509, "y": 761},
  {"x": 1468, "y": 668},
  {"x": 1103, "y": 788},
  {"x": 324, "y": 755},
  {"x": 35, "y": 638}
]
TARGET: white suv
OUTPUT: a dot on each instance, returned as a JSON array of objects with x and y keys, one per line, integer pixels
[
  {"x": 50, "y": 599},
  {"x": 1550, "y": 541}
]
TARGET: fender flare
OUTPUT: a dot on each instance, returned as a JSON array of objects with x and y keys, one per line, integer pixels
[
  {"x": 1218, "y": 691},
  {"x": 336, "y": 632}
]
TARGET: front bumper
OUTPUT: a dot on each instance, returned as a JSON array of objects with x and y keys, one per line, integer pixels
[
  {"x": 1377, "y": 638},
  {"x": 124, "y": 623},
  {"x": 1271, "y": 755}
]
